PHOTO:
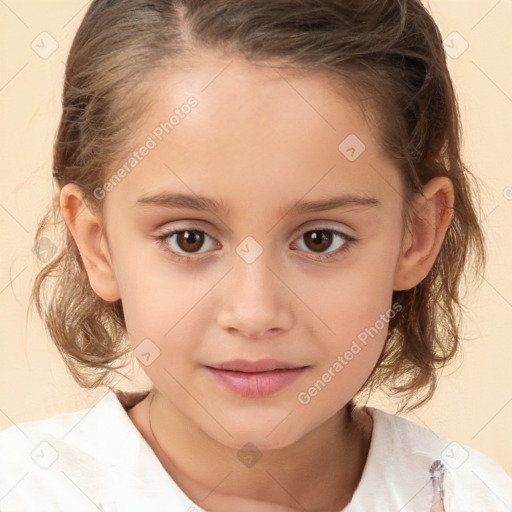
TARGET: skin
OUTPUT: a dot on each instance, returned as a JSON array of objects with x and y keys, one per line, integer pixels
[{"x": 258, "y": 141}]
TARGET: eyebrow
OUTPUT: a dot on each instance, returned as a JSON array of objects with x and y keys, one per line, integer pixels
[{"x": 202, "y": 203}]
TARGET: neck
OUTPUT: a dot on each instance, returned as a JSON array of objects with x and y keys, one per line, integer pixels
[{"x": 324, "y": 467}]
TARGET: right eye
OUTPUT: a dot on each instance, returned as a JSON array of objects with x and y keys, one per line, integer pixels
[{"x": 187, "y": 240}]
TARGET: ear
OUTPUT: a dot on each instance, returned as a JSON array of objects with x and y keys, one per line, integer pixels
[
  {"x": 428, "y": 223},
  {"x": 88, "y": 233}
]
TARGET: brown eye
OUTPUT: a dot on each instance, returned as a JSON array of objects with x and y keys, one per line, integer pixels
[
  {"x": 190, "y": 241},
  {"x": 185, "y": 241},
  {"x": 318, "y": 240}
]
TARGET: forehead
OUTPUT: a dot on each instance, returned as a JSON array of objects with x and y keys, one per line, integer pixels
[
  {"x": 234, "y": 90},
  {"x": 253, "y": 128}
]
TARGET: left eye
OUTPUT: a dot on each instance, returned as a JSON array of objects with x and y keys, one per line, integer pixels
[
  {"x": 190, "y": 241},
  {"x": 321, "y": 239}
]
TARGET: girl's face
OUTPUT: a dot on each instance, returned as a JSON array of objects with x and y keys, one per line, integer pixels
[{"x": 289, "y": 231}]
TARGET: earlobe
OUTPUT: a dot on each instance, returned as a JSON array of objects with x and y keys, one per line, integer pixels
[
  {"x": 429, "y": 221},
  {"x": 87, "y": 231}
]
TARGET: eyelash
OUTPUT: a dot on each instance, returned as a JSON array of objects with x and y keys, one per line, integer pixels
[{"x": 347, "y": 246}]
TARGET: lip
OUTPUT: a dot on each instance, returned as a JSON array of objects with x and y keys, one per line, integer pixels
[
  {"x": 254, "y": 382},
  {"x": 261, "y": 365}
]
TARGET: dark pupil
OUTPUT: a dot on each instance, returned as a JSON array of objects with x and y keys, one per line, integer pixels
[
  {"x": 193, "y": 240},
  {"x": 318, "y": 242}
]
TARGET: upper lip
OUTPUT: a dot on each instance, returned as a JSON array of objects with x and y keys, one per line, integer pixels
[{"x": 261, "y": 365}]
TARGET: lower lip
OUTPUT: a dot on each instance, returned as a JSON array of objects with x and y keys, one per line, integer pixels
[{"x": 257, "y": 384}]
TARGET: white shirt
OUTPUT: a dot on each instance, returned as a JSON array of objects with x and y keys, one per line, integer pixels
[{"x": 95, "y": 460}]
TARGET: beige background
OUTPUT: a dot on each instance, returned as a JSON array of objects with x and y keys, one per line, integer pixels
[{"x": 473, "y": 403}]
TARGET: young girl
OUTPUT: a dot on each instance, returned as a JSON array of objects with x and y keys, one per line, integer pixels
[{"x": 264, "y": 202}]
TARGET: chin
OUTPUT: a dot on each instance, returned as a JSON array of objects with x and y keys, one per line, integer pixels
[{"x": 265, "y": 436}]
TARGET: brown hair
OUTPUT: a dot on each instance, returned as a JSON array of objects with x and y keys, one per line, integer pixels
[{"x": 389, "y": 51}]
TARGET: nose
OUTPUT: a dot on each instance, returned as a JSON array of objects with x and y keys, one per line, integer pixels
[{"x": 256, "y": 302}]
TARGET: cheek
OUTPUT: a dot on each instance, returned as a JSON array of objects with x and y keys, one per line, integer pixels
[
  {"x": 357, "y": 316},
  {"x": 355, "y": 306},
  {"x": 353, "y": 296},
  {"x": 163, "y": 309},
  {"x": 155, "y": 294}
]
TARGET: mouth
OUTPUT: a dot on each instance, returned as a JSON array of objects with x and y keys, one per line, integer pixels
[
  {"x": 255, "y": 378},
  {"x": 262, "y": 365}
]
